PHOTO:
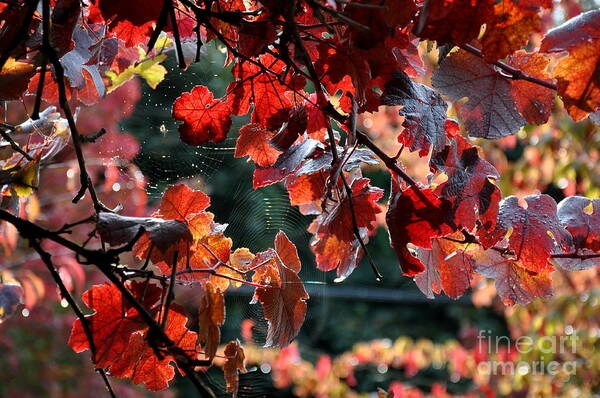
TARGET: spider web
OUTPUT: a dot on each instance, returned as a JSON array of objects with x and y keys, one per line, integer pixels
[{"x": 253, "y": 216}]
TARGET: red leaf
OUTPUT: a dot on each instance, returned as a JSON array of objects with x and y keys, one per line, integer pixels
[
  {"x": 332, "y": 253},
  {"x": 306, "y": 191},
  {"x": 514, "y": 284},
  {"x": 490, "y": 110},
  {"x": 508, "y": 30},
  {"x": 255, "y": 86},
  {"x": 205, "y": 118},
  {"x": 211, "y": 313},
  {"x": 454, "y": 21},
  {"x": 179, "y": 202},
  {"x": 284, "y": 301},
  {"x": 578, "y": 73},
  {"x": 415, "y": 216},
  {"x": 468, "y": 187},
  {"x": 140, "y": 362},
  {"x": 112, "y": 323},
  {"x": 533, "y": 101},
  {"x": 254, "y": 141},
  {"x": 447, "y": 267},
  {"x": 424, "y": 111},
  {"x": 338, "y": 219},
  {"x": 534, "y": 231},
  {"x": 234, "y": 362},
  {"x": 288, "y": 162},
  {"x": 131, "y": 21},
  {"x": 581, "y": 217},
  {"x": 121, "y": 338}
]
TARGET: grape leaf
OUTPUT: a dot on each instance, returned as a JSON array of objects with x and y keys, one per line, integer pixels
[
  {"x": 306, "y": 191},
  {"x": 254, "y": 141},
  {"x": 120, "y": 335},
  {"x": 447, "y": 267},
  {"x": 284, "y": 298},
  {"x": 288, "y": 162},
  {"x": 533, "y": 101},
  {"x": 578, "y": 74},
  {"x": 424, "y": 111},
  {"x": 14, "y": 79},
  {"x": 468, "y": 186},
  {"x": 117, "y": 230},
  {"x": 534, "y": 231},
  {"x": 508, "y": 30},
  {"x": 234, "y": 361},
  {"x": 204, "y": 118},
  {"x": 140, "y": 361},
  {"x": 514, "y": 283},
  {"x": 490, "y": 111},
  {"x": 264, "y": 90},
  {"x": 130, "y": 21},
  {"x": 211, "y": 314},
  {"x": 331, "y": 253},
  {"x": 581, "y": 217},
  {"x": 415, "y": 216},
  {"x": 453, "y": 21},
  {"x": 337, "y": 219},
  {"x": 180, "y": 202}
]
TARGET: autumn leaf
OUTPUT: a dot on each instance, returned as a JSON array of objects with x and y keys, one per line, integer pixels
[
  {"x": 211, "y": 314},
  {"x": 508, "y": 30},
  {"x": 415, "y": 216},
  {"x": 180, "y": 202},
  {"x": 288, "y": 162},
  {"x": 234, "y": 362},
  {"x": 117, "y": 230},
  {"x": 490, "y": 111},
  {"x": 468, "y": 187},
  {"x": 131, "y": 21},
  {"x": 453, "y": 21},
  {"x": 263, "y": 90},
  {"x": 581, "y": 217},
  {"x": 140, "y": 362},
  {"x": 332, "y": 253},
  {"x": 514, "y": 284},
  {"x": 284, "y": 298},
  {"x": 533, "y": 101},
  {"x": 120, "y": 334},
  {"x": 362, "y": 207},
  {"x": 254, "y": 141},
  {"x": 14, "y": 79},
  {"x": 447, "y": 267},
  {"x": 205, "y": 118},
  {"x": 424, "y": 111},
  {"x": 578, "y": 74},
  {"x": 534, "y": 231}
]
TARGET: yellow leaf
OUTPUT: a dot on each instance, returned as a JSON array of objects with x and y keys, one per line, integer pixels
[
  {"x": 27, "y": 179},
  {"x": 14, "y": 79},
  {"x": 150, "y": 70}
]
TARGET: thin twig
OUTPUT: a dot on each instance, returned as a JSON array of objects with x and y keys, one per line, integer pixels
[
  {"x": 35, "y": 114},
  {"x": 50, "y": 52},
  {"x": 14, "y": 145},
  {"x": 514, "y": 72},
  {"x": 85, "y": 323}
]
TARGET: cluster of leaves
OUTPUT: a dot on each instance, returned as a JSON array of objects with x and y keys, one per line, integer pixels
[{"x": 304, "y": 71}]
